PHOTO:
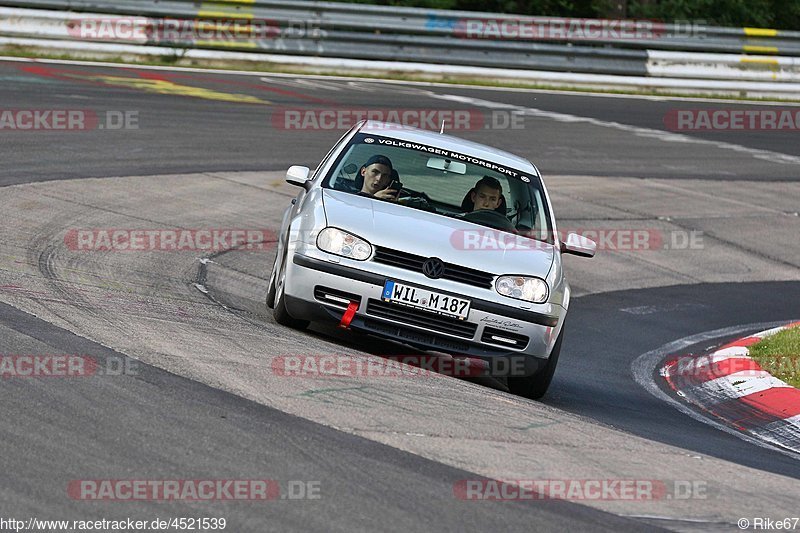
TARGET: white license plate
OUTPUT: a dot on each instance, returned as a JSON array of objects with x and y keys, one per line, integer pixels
[{"x": 424, "y": 299}]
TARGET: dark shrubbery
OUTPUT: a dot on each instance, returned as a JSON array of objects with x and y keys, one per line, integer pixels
[{"x": 782, "y": 14}]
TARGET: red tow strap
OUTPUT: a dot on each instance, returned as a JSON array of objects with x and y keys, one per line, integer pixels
[{"x": 348, "y": 315}]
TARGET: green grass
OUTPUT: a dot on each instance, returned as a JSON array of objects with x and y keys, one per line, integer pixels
[
  {"x": 178, "y": 61},
  {"x": 779, "y": 355}
]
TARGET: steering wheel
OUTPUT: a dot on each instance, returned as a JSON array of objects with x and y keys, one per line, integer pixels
[{"x": 489, "y": 217}]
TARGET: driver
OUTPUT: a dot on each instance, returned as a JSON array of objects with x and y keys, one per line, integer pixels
[
  {"x": 488, "y": 205},
  {"x": 486, "y": 194},
  {"x": 377, "y": 173}
]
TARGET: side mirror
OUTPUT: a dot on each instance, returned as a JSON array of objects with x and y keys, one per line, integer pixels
[
  {"x": 578, "y": 245},
  {"x": 297, "y": 175}
]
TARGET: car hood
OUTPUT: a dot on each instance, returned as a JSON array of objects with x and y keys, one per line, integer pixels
[{"x": 426, "y": 234}]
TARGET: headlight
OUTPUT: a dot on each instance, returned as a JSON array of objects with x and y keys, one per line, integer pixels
[
  {"x": 523, "y": 288},
  {"x": 336, "y": 241}
]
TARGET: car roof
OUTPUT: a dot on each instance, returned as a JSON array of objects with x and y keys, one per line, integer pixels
[{"x": 447, "y": 142}]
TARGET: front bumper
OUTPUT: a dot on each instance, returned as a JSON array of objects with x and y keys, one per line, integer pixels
[{"x": 317, "y": 289}]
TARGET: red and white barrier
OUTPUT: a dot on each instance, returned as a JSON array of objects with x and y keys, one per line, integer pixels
[{"x": 730, "y": 385}]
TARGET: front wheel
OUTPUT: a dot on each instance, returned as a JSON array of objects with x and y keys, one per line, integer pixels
[
  {"x": 279, "y": 312},
  {"x": 535, "y": 386},
  {"x": 271, "y": 287}
]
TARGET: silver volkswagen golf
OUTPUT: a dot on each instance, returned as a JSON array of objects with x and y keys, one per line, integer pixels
[{"x": 436, "y": 242}]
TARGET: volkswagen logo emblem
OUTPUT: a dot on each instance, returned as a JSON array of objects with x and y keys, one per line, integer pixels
[{"x": 433, "y": 268}]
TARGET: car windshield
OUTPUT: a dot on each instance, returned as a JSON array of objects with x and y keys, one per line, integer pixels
[{"x": 444, "y": 182}]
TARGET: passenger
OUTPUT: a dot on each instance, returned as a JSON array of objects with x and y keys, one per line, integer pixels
[{"x": 376, "y": 174}]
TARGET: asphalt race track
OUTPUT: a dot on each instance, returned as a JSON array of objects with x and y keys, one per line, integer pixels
[{"x": 201, "y": 401}]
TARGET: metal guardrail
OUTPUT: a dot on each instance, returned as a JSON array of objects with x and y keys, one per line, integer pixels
[
  {"x": 358, "y": 31},
  {"x": 430, "y": 22},
  {"x": 358, "y": 44}
]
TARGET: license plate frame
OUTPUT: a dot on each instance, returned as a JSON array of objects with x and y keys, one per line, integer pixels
[{"x": 407, "y": 295}]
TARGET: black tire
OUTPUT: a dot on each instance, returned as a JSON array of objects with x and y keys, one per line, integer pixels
[
  {"x": 279, "y": 312},
  {"x": 282, "y": 316},
  {"x": 276, "y": 266},
  {"x": 535, "y": 386},
  {"x": 271, "y": 288}
]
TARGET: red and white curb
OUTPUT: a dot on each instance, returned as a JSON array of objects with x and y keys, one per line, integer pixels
[{"x": 731, "y": 386}]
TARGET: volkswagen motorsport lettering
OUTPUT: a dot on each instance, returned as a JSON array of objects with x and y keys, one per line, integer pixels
[{"x": 448, "y": 153}]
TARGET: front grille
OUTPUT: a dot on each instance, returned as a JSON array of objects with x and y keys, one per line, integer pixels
[
  {"x": 504, "y": 338},
  {"x": 423, "y": 319},
  {"x": 408, "y": 261}
]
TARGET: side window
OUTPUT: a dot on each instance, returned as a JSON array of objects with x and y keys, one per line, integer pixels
[{"x": 332, "y": 150}]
